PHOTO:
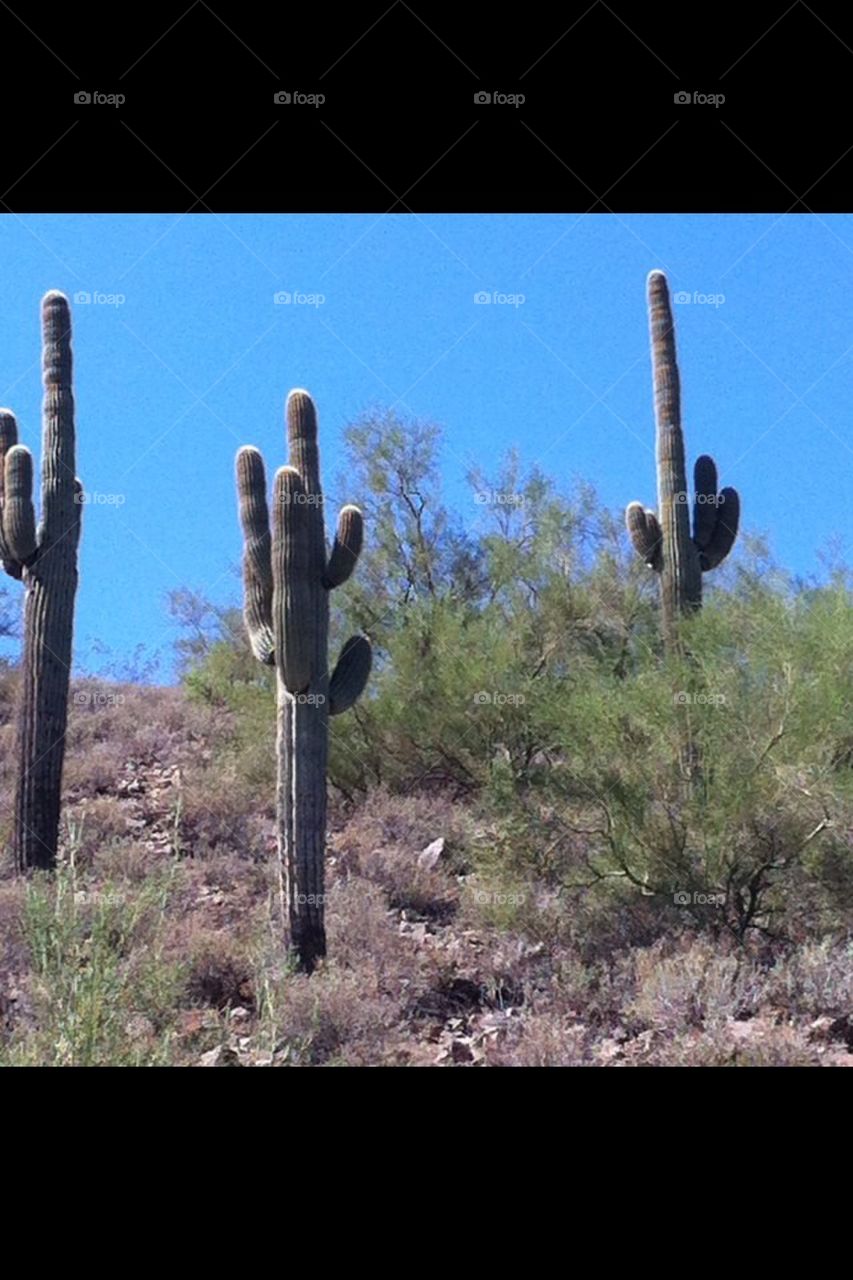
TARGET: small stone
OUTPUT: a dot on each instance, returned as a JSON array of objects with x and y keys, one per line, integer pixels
[{"x": 428, "y": 857}]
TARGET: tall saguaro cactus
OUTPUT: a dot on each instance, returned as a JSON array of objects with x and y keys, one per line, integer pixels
[
  {"x": 46, "y": 561},
  {"x": 287, "y": 579},
  {"x": 664, "y": 540}
]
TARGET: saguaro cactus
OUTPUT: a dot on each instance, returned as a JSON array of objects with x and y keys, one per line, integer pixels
[
  {"x": 664, "y": 540},
  {"x": 46, "y": 561},
  {"x": 287, "y": 579}
]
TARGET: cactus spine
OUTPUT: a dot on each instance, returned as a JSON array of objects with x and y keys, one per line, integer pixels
[
  {"x": 287, "y": 578},
  {"x": 46, "y": 561},
  {"x": 664, "y": 540}
]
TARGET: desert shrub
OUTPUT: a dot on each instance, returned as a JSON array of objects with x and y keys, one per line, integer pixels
[
  {"x": 519, "y": 667},
  {"x": 98, "y": 986}
]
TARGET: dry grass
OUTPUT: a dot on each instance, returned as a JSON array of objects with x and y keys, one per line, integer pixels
[{"x": 158, "y": 941}]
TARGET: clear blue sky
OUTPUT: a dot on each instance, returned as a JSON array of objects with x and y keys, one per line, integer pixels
[{"x": 198, "y": 360}]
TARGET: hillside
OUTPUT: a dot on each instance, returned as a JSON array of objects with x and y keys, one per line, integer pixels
[{"x": 157, "y": 942}]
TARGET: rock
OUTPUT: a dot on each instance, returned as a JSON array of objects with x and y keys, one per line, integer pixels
[
  {"x": 221, "y": 1056},
  {"x": 417, "y": 932},
  {"x": 239, "y": 1014},
  {"x": 138, "y": 1027},
  {"x": 428, "y": 858},
  {"x": 820, "y": 1029},
  {"x": 460, "y": 1051},
  {"x": 609, "y": 1051}
]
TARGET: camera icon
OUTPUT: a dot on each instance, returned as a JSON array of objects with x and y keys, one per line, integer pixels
[
  {"x": 681, "y": 98},
  {"x": 482, "y": 697},
  {"x": 282, "y": 298},
  {"x": 82, "y": 97},
  {"x": 81, "y": 699},
  {"x": 681, "y": 899},
  {"x": 482, "y": 296},
  {"x": 681, "y": 297},
  {"x": 81, "y": 297},
  {"x": 681, "y": 699},
  {"x": 282, "y": 98},
  {"x": 482, "y": 98}
]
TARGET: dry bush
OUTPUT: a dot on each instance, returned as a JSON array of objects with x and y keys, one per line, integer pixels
[
  {"x": 757, "y": 1043},
  {"x": 99, "y": 826},
  {"x": 408, "y": 823},
  {"x": 542, "y": 1040},
  {"x": 218, "y": 972},
  {"x": 430, "y": 894},
  {"x": 693, "y": 985},
  {"x": 335, "y": 1016},
  {"x": 218, "y": 812},
  {"x": 816, "y": 980}
]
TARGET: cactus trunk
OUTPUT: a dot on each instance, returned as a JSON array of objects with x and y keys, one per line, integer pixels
[
  {"x": 681, "y": 577},
  {"x": 47, "y": 563},
  {"x": 303, "y": 740},
  {"x": 287, "y": 600}
]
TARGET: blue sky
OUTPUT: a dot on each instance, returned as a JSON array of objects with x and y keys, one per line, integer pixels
[{"x": 198, "y": 358}]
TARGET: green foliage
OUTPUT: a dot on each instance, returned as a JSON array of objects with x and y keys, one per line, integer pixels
[
  {"x": 97, "y": 966},
  {"x": 533, "y": 681}
]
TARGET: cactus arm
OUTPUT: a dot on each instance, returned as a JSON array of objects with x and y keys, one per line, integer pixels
[
  {"x": 302, "y": 438},
  {"x": 293, "y": 589},
  {"x": 257, "y": 553},
  {"x": 725, "y": 529},
  {"x": 645, "y": 534},
  {"x": 19, "y": 517},
  {"x": 704, "y": 500},
  {"x": 350, "y": 674},
  {"x": 58, "y": 443},
  {"x": 347, "y": 547},
  {"x": 8, "y": 438}
]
